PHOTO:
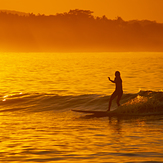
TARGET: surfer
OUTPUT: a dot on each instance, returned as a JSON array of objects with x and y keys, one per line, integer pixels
[{"x": 118, "y": 89}]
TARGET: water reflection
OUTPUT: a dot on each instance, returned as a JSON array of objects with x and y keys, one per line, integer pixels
[
  {"x": 52, "y": 136},
  {"x": 116, "y": 124}
]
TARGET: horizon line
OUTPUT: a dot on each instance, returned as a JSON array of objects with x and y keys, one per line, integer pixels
[{"x": 23, "y": 13}]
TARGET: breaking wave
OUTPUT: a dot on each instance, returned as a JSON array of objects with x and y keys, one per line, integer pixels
[{"x": 142, "y": 102}]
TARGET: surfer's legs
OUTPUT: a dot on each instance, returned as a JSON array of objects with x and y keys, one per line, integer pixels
[
  {"x": 111, "y": 99},
  {"x": 119, "y": 97}
]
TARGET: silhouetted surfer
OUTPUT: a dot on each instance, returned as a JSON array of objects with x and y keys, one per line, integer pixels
[{"x": 118, "y": 89}]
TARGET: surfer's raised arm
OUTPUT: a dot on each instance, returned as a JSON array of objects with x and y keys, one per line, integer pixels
[{"x": 113, "y": 81}]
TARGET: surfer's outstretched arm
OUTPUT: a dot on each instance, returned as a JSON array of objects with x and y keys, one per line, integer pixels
[{"x": 113, "y": 81}]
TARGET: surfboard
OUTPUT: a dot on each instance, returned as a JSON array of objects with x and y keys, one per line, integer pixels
[
  {"x": 97, "y": 113},
  {"x": 115, "y": 113},
  {"x": 89, "y": 111}
]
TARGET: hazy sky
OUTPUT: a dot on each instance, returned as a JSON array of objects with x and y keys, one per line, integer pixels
[{"x": 127, "y": 9}]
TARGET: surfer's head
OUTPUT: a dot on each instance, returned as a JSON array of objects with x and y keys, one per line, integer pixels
[{"x": 117, "y": 74}]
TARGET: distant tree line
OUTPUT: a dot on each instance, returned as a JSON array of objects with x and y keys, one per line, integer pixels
[{"x": 77, "y": 30}]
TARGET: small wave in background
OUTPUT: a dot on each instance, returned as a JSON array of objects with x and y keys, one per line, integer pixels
[{"x": 142, "y": 102}]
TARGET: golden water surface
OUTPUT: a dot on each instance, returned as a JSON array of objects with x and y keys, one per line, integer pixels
[
  {"x": 35, "y": 128},
  {"x": 80, "y": 73}
]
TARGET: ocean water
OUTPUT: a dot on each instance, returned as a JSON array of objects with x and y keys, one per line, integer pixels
[{"x": 38, "y": 91}]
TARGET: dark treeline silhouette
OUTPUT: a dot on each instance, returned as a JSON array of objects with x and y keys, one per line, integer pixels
[{"x": 77, "y": 30}]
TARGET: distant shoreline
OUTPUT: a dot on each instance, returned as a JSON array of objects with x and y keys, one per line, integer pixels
[{"x": 77, "y": 31}]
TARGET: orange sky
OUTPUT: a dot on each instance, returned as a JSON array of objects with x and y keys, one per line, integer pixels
[{"x": 127, "y": 9}]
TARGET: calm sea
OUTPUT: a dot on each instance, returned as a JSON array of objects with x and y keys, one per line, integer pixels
[{"x": 38, "y": 91}]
